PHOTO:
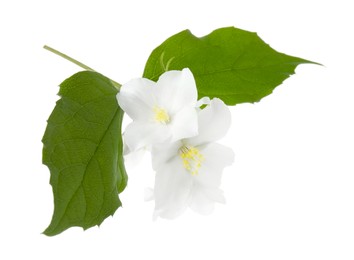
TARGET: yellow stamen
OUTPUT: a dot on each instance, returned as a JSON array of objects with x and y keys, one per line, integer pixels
[
  {"x": 191, "y": 158},
  {"x": 161, "y": 116}
]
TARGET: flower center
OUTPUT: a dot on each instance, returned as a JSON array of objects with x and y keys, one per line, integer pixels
[
  {"x": 161, "y": 116},
  {"x": 191, "y": 158}
]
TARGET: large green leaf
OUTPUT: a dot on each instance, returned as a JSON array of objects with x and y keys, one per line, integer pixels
[
  {"x": 231, "y": 64},
  {"x": 83, "y": 150}
]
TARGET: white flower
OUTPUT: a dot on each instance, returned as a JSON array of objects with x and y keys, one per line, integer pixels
[
  {"x": 188, "y": 172},
  {"x": 161, "y": 111}
]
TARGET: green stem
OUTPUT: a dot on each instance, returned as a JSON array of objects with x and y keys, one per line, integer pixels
[{"x": 116, "y": 84}]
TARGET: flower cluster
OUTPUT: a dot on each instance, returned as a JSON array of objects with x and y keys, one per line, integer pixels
[{"x": 168, "y": 118}]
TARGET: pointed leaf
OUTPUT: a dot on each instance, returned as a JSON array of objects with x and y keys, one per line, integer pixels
[
  {"x": 83, "y": 150},
  {"x": 231, "y": 64}
]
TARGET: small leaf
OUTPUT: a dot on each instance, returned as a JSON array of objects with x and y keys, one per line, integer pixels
[
  {"x": 83, "y": 150},
  {"x": 231, "y": 64}
]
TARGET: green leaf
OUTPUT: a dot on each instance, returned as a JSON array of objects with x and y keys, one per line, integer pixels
[
  {"x": 83, "y": 150},
  {"x": 231, "y": 64}
]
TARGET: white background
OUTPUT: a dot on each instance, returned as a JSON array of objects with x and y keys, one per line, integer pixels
[{"x": 290, "y": 192}]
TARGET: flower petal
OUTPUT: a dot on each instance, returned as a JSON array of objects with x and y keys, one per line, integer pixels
[
  {"x": 132, "y": 159},
  {"x": 136, "y": 98},
  {"x": 176, "y": 89},
  {"x": 172, "y": 189},
  {"x": 216, "y": 158},
  {"x": 206, "y": 189},
  {"x": 185, "y": 124},
  {"x": 163, "y": 153},
  {"x": 203, "y": 101},
  {"x": 203, "y": 199},
  {"x": 214, "y": 122},
  {"x": 140, "y": 134}
]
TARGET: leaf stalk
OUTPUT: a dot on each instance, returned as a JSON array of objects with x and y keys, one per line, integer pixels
[{"x": 78, "y": 63}]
